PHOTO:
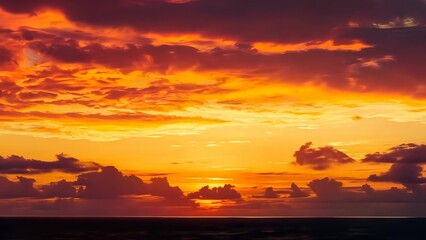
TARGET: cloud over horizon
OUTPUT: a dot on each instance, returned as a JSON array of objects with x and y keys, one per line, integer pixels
[
  {"x": 406, "y": 168},
  {"x": 320, "y": 158},
  {"x": 19, "y": 165},
  {"x": 225, "y": 192}
]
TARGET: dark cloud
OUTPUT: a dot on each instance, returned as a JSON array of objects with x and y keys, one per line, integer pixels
[
  {"x": 390, "y": 195},
  {"x": 5, "y": 56},
  {"x": 296, "y": 192},
  {"x": 326, "y": 188},
  {"x": 108, "y": 183},
  {"x": 154, "y": 58},
  {"x": 58, "y": 204},
  {"x": 165, "y": 58},
  {"x": 59, "y": 35},
  {"x": 111, "y": 183},
  {"x": 53, "y": 84},
  {"x": 61, "y": 189},
  {"x": 409, "y": 153},
  {"x": 160, "y": 186},
  {"x": 9, "y": 90},
  {"x": 406, "y": 162},
  {"x": 37, "y": 95},
  {"x": 396, "y": 47},
  {"x": 163, "y": 90},
  {"x": 270, "y": 193},
  {"x": 320, "y": 158},
  {"x": 249, "y": 205},
  {"x": 225, "y": 192},
  {"x": 20, "y": 165},
  {"x": 379, "y": 68},
  {"x": 355, "y": 71},
  {"x": 254, "y": 20},
  {"x": 257, "y": 204},
  {"x": 395, "y": 56},
  {"x": 330, "y": 190},
  {"x": 138, "y": 117},
  {"x": 24, "y": 187},
  {"x": 403, "y": 173}
]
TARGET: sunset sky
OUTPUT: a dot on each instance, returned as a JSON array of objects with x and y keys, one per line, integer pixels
[{"x": 212, "y": 107}]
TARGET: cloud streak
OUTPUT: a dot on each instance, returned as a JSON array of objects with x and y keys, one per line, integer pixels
[
  {"x": 225, "y": 192},
  {"x": 20, "y": 165}
]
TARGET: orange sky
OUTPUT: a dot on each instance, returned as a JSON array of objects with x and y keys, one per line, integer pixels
[{"x": 224, "y": 97}]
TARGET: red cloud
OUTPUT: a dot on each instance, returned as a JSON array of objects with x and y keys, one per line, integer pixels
[{"x": 5, "y": 56}]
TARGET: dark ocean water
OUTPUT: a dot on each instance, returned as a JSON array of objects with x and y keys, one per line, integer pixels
[{"x": 213, "y": 228}]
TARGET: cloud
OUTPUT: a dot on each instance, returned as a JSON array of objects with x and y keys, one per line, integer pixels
[
  {"x": 160, "y": 186},
  {"x": 320, "y": 158},
  {"x": 358, "y": 71},
  {"x": 107, "y": 184},
  {"x": 37, "y": 95},
  {"x": 377, "y": 68},
  {"x": 403, "y": 173},
  {"x": 296, "y": 192},
  {"x": 390, "y": 195},
  {"x": 261, "y": 205},
  {"x": 225, "y": 192},
  {"x": 270, "y": 193},
  {"x": 326, "y": 188},
  {"x": 151, "y": 58},
  {"x": 409, "y": 153},
  {"x": 405, "y": 169},
  {"x": 330, "y": 190},
  {"x": 111, "y": 183},
  {"x": 5, "y": 56},
  {"x": 20, "y": 165},
  {"x": 58, "y": 204},
  {"x": 60, "y": 189},
  {"x": 390, "y": 60},
  {"x": 275, "y": 20},
  {"x": 24, "y": 187}
]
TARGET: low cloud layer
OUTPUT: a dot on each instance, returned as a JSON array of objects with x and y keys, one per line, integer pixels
[
  {"x": 331, "y": 190},
  {"x": 24, "y": 187},
  {"x": 225, "y": 192},
  {"x": 296, "y": 192},
  {"x": 108, "y": 183},
  {"x": 110, "y": 186},
  {"x": 20, "y": 165}
]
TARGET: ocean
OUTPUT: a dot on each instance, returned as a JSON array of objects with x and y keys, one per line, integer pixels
[{"x": 213, "y": 228}]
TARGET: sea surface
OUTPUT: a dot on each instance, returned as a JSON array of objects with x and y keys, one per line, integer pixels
[{"x": 213, "y": 228}]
